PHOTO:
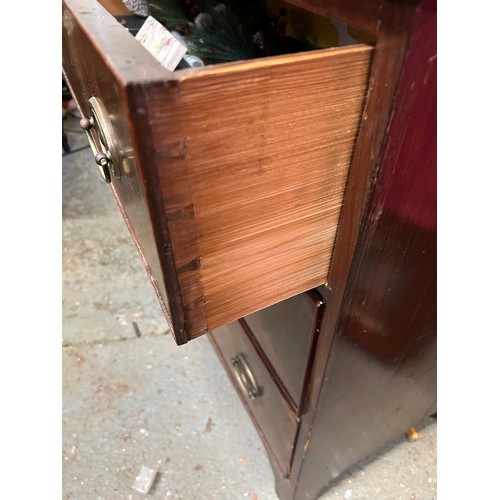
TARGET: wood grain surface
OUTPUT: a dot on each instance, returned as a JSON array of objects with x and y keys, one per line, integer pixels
[
  {"x": 265, "y": 155},
  {"x": 236, "y": 173}
]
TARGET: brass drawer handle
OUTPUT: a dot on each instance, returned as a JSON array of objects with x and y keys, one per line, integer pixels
[
  {"x": 105, "y": 149},
  {"x": 245, "y": 377}
]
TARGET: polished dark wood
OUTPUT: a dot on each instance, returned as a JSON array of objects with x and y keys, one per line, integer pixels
[
  {"x": 274, "y": 419},
  {"x": 362, "y": 14},
  {"x": 286, "y": 335},
  {"x": 380, "y": 377},
  {"x": 393, "y": 21}
]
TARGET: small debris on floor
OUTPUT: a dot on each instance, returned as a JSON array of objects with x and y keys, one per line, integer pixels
[
  {"x": 412, "y": 434},
  {"x": 136, "y": 328},
  {"x": 348, "y": 494},
  {"x": 208, "y": 426},
  {"x": 253, "y": 496},
  {"x": 144, "y": 481}
]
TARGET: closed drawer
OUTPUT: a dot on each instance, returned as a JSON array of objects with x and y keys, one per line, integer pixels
[
  {"x": 286, "y": 334},
  {"x": 275, "y": 421},
  {"x": 230, "y": 178}
]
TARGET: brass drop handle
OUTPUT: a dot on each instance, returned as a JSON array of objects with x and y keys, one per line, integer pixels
[
  {"x": 244, "y": 377},
  {"x": 104, "y": 148}
]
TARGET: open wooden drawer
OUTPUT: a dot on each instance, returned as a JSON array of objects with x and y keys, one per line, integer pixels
[{"x": 230, "y": 178}]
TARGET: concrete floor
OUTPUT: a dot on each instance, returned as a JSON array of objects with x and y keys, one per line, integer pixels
[{"x": 132, "y": 397}]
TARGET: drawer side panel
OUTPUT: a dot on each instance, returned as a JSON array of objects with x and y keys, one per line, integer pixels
[{"x": 269, "y": 145}]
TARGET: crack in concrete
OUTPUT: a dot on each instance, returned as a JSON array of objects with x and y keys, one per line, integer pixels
[{"x": 111, "y": 341}]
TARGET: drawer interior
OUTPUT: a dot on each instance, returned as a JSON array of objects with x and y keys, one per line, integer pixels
[
  {"x": 217, "y": 32},
  {"x": 241, "y": 167}
]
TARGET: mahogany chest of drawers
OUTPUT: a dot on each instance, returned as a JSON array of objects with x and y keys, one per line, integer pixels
[{"x": 286, "y": 207}]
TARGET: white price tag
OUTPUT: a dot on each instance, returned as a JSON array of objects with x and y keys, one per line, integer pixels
[{"x": 161, "y": 43}]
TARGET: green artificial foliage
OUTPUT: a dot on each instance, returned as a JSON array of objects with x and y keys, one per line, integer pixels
[
  {"x": 222, "y": 31},
  {"x": 169, "y": 13}
]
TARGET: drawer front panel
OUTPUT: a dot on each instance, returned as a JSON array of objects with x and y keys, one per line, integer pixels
[
  {"x": 233, "y": 175},
  {"x": 99, "y": 61},
  {"x": 273, "y": 418},
  {"x": 286, "y": 332}
]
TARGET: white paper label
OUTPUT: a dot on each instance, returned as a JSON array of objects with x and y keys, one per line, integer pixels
[{"x": 161, "y": 43}]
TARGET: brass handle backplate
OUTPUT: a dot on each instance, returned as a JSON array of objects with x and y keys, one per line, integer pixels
[
  {"x": 244, "y": 377},
  {"x": 103, "y": 142}
]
